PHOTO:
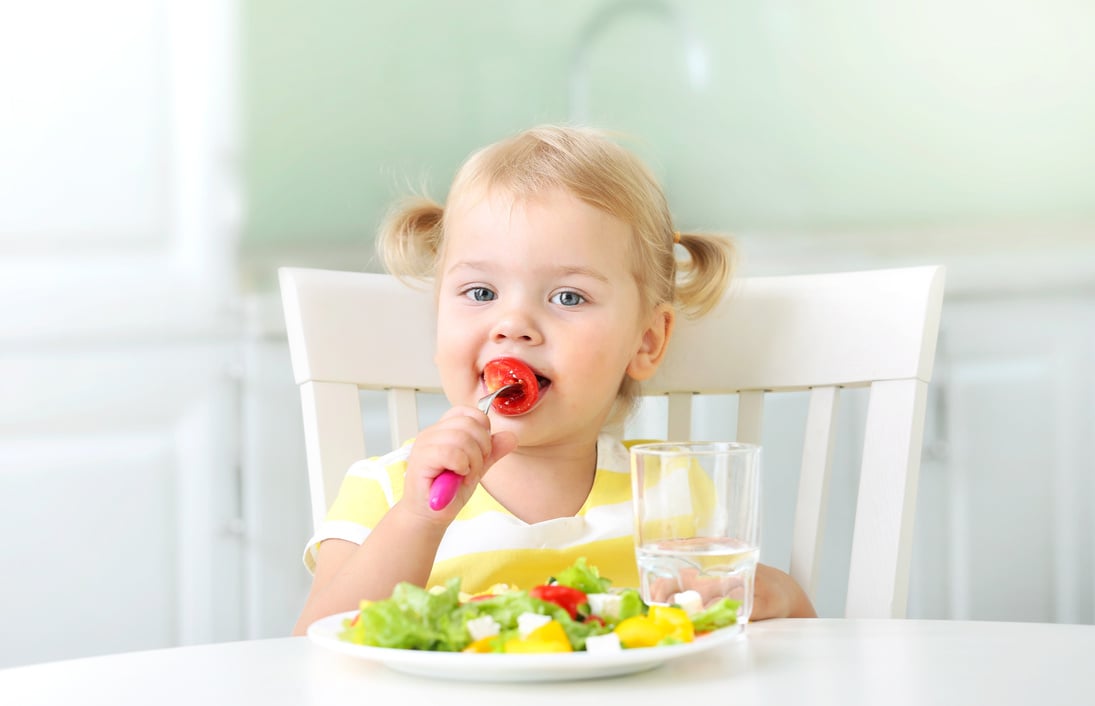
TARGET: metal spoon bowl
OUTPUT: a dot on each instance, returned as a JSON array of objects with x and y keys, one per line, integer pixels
[{"x": 484, "y": 403}]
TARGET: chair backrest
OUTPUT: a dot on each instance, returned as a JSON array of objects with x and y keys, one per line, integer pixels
[{"x": 819, "y": 333}]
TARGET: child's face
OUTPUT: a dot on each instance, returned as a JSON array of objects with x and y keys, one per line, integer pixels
[{"x": 548, "y": 281}]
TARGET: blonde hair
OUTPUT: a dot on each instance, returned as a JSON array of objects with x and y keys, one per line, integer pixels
[{"x": 600, "y": 172}]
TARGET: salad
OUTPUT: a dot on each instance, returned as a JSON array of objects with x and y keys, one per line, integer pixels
[{"x": 576, "y": 610}]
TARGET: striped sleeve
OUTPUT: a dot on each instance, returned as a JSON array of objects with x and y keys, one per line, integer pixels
[{"x": 369, "y": 489}]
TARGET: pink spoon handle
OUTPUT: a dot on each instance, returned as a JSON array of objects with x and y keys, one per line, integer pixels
[{"x": 443, "y": 490}]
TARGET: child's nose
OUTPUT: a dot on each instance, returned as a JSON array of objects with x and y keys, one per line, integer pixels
[{"x": 516, "y": 325}]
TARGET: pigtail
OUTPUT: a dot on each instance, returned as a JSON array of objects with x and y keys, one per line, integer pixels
[
  {"x": 409, "y": 238},
  {"x": 703, "y": 277}
]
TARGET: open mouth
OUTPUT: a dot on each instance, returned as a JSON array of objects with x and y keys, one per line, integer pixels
[
  {"x": 528, "y": 385},
  {"x": 542, "y": 383}
]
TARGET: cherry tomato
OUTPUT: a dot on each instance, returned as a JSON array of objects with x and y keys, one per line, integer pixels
[{"x": 503, "y": 371}]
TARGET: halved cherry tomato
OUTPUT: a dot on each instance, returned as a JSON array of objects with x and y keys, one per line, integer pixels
[
  {"x": 504, "y": 371},
  {"x": 567, "y": 598}
]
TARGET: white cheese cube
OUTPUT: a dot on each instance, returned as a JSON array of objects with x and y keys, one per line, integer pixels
[
  {"x": 483, "y": 626},
  {"x": 691, "y": 602},
  {"x": 609, "y": 642},
  {"x": 527, "y": 622},
  {"x": 606, "y": 605}
]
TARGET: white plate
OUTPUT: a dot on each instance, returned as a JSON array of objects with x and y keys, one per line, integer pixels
[{"x": 515, "y": 667}]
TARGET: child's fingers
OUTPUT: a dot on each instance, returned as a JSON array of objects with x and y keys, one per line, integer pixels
[
  {"x": 451, "y": 450},
  {"x": 471, "y": 421},
  {"x": 459, "y": 442}
]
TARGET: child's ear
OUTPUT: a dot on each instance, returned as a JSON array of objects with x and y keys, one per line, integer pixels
[{"x": 654, "y": 342}]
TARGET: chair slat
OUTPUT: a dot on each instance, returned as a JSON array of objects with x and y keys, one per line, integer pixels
[
  {"x": 885, "y": 510},
  {"x": 813, "y": 487},
  {"x": 402, "y": 414},
  {"x": 750, "y": 416},
  {"x": 333, "y": 438},
  {"x": 679, "y": 427}
]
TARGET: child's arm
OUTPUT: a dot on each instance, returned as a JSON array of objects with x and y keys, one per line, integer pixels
[
  {"x": 777, "y": 595},
  {"x": 404, "y": 543}
]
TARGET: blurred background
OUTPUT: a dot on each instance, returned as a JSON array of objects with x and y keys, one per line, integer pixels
[{"x": 159, "y": 159}]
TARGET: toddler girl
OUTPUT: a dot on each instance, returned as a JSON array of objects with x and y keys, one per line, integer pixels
[{"x": 555, "y": 247}]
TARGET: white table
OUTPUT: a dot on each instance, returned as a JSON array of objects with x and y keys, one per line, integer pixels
[{"x": 795, "y": 662}]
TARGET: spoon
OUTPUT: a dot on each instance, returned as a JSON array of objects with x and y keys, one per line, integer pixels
[{"x": 444, "y": 485}]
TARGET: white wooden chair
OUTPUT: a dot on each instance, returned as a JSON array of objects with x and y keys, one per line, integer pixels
[{"x": 351, "y": 331}]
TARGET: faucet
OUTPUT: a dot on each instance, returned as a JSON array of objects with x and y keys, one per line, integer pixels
[{"x": 695, "y": 54}]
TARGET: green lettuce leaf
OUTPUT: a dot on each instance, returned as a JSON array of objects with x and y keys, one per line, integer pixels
[
  {"x": 583, "y": 577},
  {"x": 631, "y": 604},
  {"x": 414, "y": 619},
  {"x": 718, "y": 615}
]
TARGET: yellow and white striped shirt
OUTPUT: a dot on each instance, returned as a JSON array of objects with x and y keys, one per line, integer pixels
[{"x": 486, "y": 544}]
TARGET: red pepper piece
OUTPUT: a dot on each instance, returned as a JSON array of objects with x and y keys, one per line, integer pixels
[{"x": 567, "y": 598}]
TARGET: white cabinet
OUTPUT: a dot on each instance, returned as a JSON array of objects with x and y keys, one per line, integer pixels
[
  {"x": 275, "y": 487},
  {"x": 1004, "y": 526},
  {"x": 118, "y": 493},
  {"x": 120, "y": 490}
]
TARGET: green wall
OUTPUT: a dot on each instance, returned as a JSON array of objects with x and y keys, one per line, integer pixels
[{"x": 807, "y": 116}]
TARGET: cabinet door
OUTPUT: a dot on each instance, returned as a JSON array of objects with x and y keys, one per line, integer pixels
[
  {"x": 118, "y": 404},
  {"x": 119, "y": 501},
  {"x": 1012, "y": 526}
]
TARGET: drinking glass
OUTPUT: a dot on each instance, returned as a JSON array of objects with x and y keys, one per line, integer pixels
[{"x": 697, "y": 526}]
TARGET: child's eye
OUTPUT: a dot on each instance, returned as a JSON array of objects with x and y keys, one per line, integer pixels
[
  {"x": 568, "y": 298},
  {"x": 480, "y": 294}
]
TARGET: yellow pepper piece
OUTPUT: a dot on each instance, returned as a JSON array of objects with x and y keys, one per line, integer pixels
[
  {"x": 495, "y": 589},
  {"x": 482, "y": 645},
  {"x": 639, "y": 631},
  {"x": 673, "y": 622},
  {"x": 549, "y": 637}
]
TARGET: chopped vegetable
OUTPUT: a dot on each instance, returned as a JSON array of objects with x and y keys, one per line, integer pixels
[
  {"x": 639, "y": 631},
  {"x": 567, "y": 598},
  {"x": 576, "y": 610},
  {"x": 718, "y": 615},
  {"x": 549, "y": 637},
  {"x": 583, "y": 577},
  {"x": 673, "y": 622}
]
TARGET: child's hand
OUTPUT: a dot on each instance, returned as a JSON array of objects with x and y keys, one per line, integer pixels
[
  {"x": 777, "y": 595},
  {"x": 460, "y": 442}
]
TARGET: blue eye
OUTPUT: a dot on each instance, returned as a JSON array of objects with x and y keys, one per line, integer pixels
[
  {"x": 568, "y": 298},
  {"x": 480, "y": 294}
]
